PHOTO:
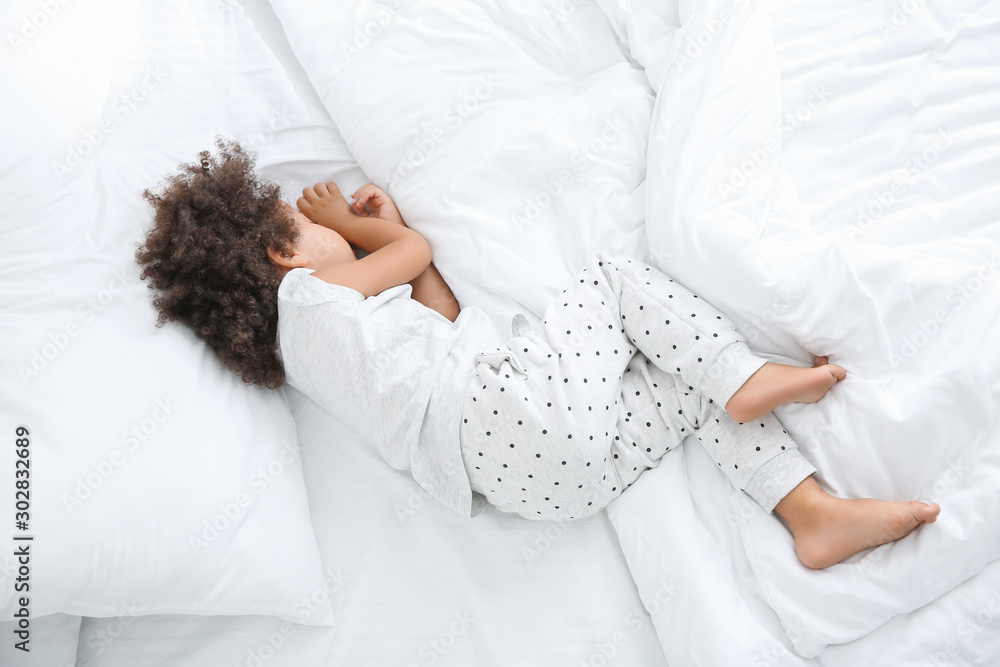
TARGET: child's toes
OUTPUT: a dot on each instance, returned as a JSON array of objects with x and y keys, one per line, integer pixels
[{"x": 926, "y": 513}]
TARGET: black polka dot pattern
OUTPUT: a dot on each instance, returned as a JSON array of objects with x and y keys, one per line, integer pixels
[{"x": 536, "y": 440}]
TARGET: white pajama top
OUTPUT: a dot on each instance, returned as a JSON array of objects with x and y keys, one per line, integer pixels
[{"x": 391, "y": 368}]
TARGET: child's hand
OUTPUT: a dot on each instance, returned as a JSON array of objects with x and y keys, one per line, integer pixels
[
  {"x": 370, "y": 200},
  {"x": 323, "y": 203}
]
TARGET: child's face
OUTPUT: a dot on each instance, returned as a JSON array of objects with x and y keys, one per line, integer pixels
[{"x": 316, "y": 245}]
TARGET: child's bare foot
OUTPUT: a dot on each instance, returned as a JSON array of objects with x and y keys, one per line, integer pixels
[
  {"x": 776, "y": 384},
  {"x": 828, "y": 529}
]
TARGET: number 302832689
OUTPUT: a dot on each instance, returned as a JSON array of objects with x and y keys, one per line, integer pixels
[{"x": 22, "y": 478}]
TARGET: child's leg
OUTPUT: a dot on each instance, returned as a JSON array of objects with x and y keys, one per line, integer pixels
[
  {"x": 681, "y": 333},
  {"x": 544, "y": 433},
  {"x": 543, "y": 412},
  {"x": 759, "y": 458}
]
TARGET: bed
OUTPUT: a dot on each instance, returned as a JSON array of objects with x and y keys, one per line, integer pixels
[{"x": 827, "y": 175}]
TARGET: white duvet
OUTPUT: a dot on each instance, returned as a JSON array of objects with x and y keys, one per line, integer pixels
[{"x": 897, "y": 286}]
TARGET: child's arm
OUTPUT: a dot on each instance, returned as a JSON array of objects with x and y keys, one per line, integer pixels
[
  {"x": 429, "y": 288},
  {"x": 397, "y": 254}
]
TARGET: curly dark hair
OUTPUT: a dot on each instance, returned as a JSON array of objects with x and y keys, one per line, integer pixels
[{"x": 206, "y": 256}]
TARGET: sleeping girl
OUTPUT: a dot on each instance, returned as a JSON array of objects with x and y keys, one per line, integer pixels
[{"x": 551, "y": 422}]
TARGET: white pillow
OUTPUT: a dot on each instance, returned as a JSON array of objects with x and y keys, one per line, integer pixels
[
  {"x": 159, "y": 482},
  {"x": 156, "y": 478}
]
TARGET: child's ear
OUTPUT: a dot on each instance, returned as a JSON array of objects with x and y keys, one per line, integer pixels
[{"x": 288, "y": 259}]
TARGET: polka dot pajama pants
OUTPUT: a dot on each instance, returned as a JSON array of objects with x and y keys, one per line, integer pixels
[{"x": 625, "y": 365}]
